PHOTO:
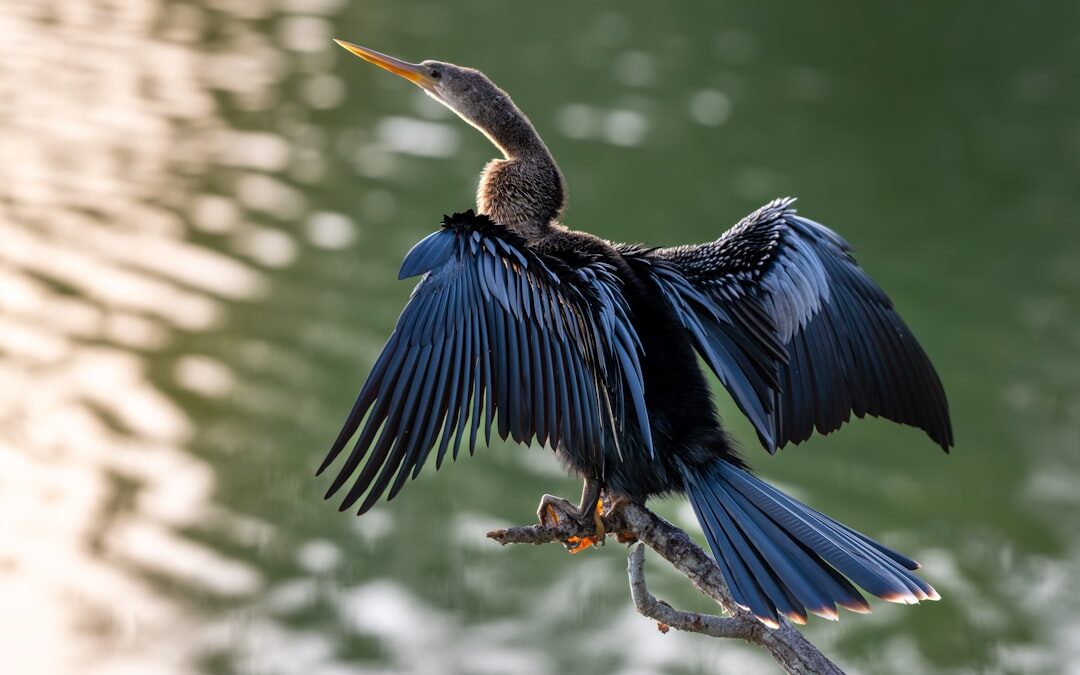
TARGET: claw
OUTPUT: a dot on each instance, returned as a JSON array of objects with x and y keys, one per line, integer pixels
[
  {"x": 598, "y": 522},
  {"x": 553, "y": 510},
  {"x": 552, "y": 514},
  {"x": 550, "y": 506},
  {"x": 581, "y": 543}
]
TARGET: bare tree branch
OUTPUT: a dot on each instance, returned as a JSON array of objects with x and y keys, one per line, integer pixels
[
  {"x": 669, "y": 617},
  {"x": 792, "y": 651}
]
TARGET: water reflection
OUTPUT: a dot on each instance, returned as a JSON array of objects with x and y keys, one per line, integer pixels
[
  {"x": 201, "y": 211},
  {"x": 103, "y": 137}
]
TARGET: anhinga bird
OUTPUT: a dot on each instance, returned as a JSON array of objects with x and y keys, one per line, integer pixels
[{"x": 588, "y": 347}]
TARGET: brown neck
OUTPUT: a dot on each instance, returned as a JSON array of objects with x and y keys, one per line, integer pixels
[
  {"x": 523, "y": 193},
  {"x": 525, "y": 190}
]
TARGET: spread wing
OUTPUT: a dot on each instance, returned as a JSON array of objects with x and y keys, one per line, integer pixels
[
  {"x": 494, "y": 333},
  {"x": 796, "y": 330}
]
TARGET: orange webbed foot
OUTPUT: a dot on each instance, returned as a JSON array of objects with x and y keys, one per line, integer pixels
[
  {"x": 580, "y": 544},
  {"x": 553, "y": 510}
]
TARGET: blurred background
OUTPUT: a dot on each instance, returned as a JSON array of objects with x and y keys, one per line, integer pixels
[{"x": 202, "y": 210}]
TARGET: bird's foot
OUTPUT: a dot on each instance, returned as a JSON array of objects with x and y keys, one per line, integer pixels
[
  {"x": 548, "y": 513},
  {"x": 582, "y": 543},
  {"x": 553, "y": 510}
]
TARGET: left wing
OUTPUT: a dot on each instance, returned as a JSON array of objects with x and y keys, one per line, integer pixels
[
  {"x": 796, "y": 330},
  {"x": 494, "y": 331}
]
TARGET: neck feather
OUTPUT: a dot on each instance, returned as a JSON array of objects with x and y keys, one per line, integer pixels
[{"x": 524, "y": 190}]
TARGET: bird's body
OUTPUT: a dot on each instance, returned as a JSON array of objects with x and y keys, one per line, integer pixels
[
  {"x": 555, "y": 336},
  {"x": 684, "y": 423}
]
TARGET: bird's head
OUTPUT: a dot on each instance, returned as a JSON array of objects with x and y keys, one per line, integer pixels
[
  {"x": 466, "y": 91},
  {"x": 524, "y": 190}
]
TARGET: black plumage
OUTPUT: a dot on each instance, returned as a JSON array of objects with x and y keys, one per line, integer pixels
[{"x": 558, "y": 337}]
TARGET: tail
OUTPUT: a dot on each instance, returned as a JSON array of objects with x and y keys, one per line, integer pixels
[{"x": 782, "y": 557}]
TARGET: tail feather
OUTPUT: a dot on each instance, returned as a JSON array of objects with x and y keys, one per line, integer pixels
[
  {"x": 782, "y": 557},
  {"x": 831, "y": 523},
  {"x": 872, "y": 566},
  {"x": 745, "y": 588},
  {"x": 764, "y": 565},
  {"x": 816, "y": 588}
]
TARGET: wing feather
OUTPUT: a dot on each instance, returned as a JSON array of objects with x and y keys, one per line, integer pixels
[
  {"x": 796, "y": 331},
  {"x": 492, "y": 337}
]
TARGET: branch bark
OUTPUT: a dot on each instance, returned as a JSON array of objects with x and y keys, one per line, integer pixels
[{"x": 794, "y": 653}]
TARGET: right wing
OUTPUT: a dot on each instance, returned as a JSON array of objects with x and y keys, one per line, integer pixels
[
  {"x": 796, "y": 331},
  {"x": 493, "y": 331}
]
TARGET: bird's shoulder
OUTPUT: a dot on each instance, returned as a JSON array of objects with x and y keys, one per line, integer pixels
[{"x": 575, "y": 248}]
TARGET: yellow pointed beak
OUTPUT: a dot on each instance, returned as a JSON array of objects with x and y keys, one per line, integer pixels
[{"x": 410, "y": 71}]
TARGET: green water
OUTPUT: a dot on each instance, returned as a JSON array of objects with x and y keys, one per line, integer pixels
[{"x": 202, "y": 209}]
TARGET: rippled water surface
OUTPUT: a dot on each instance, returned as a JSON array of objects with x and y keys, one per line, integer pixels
[{"x": 202, "y": 208}]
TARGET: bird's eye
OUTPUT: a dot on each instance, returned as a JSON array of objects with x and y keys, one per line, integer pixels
[{"x": 435, "y": 74}]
